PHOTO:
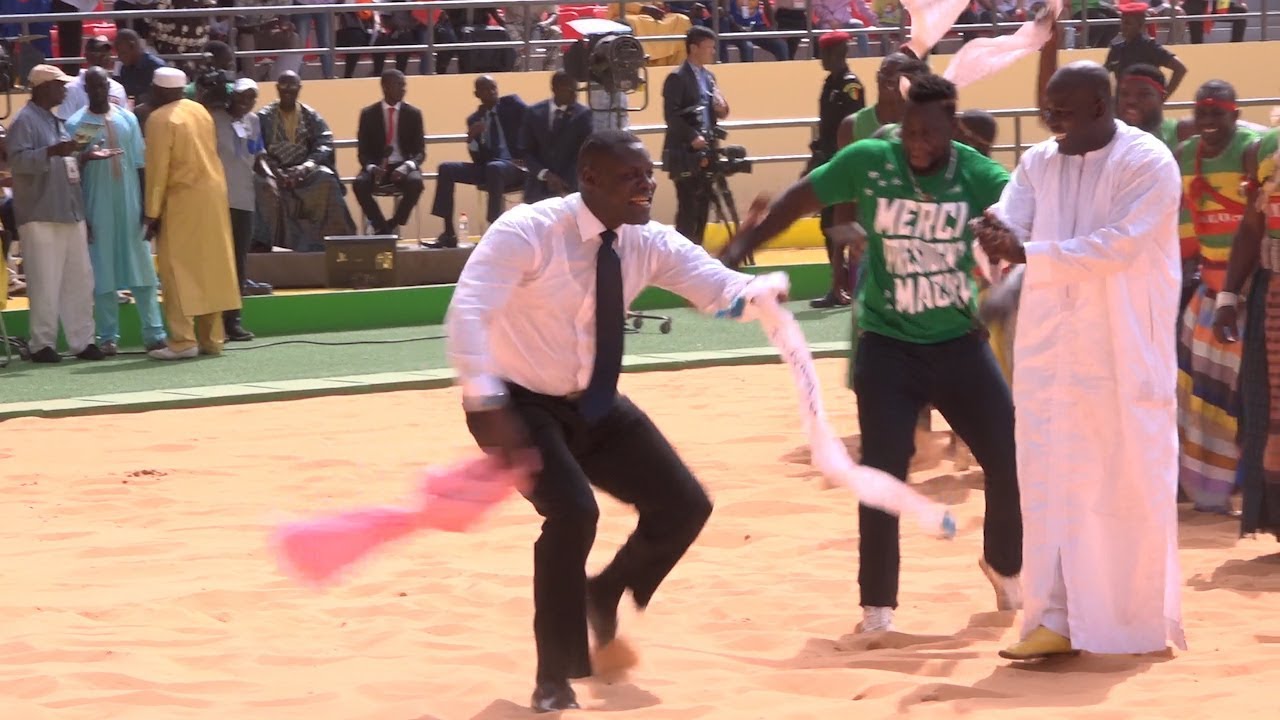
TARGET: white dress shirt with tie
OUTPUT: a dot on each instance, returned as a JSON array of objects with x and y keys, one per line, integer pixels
[
  {"x": 393, "y": 132},
  {"x": 524, "y": 307}
]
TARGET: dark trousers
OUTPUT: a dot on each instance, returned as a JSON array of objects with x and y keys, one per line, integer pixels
[
  {"x": 10, "y": 227},
  {"x": 894, "y": 381},
  {"x": 1196, "y": 27},
  {"x": 241, "y": 236},
  {"x": 627, "y": 457},
  {"x": 70, "y": 33},
  {"x": 495, "y": 177},
  {"x": 410, "y": 189},
  {"x": 693, "y": 204},
  {"x": 789, "y": 19},
  {"x": 1100, "y": 36}
]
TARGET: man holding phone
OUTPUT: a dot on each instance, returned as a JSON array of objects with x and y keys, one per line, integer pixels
[{"x": 49, "y": 211}]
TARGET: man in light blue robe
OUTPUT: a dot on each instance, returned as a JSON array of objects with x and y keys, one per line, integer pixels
[{"x": 120, "y": 255}]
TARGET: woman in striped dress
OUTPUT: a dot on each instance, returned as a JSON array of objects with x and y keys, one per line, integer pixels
[
  {"x": 1255, "y": 257},
  {"x": 1212, "y": 165}
]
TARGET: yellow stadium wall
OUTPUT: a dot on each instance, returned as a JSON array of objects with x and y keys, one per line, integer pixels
[{"x": 755, "y": 91}]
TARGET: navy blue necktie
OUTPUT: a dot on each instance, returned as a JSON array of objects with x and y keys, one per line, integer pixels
[{"x": 597, "y": 399}]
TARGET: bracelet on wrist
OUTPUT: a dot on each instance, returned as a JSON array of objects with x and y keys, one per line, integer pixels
[{"x": 1225, "y": 300}]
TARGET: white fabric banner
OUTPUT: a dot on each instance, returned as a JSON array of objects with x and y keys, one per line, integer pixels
[{"x": 983, "y": 57}]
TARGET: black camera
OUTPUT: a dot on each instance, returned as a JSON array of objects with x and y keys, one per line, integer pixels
[
  {"x": 723, "y": 160},
  {"x": 211, "y": 87}
]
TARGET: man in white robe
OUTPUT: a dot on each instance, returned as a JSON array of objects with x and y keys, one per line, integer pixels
[{"x": 1093, "y": 214}]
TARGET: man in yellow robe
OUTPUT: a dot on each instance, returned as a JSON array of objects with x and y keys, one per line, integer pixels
[{"x": 186, "y": 209}]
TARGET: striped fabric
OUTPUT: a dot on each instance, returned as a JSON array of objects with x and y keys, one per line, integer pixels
[
  {"x": 1208, "y": 372},
  {"x": 1213, "y": 204}
]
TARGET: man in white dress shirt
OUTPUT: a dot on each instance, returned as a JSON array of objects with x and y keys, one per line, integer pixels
[
  {"x": 535, "y": 333},
  {"x": 1093, "y": 215},
  {"x": 97, "y": 53}
]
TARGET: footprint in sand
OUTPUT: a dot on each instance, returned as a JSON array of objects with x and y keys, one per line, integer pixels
[{"x": 945, "y": 692}]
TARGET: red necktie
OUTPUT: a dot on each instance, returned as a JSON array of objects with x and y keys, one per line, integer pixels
[{"x": 391, "y": 126}]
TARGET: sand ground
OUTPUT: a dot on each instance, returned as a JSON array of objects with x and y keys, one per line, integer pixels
[{"x": 138, "y": 585}]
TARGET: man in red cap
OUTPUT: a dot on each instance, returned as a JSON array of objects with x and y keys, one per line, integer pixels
[
  {"x": 1135, "y": 47},
  {"x": 842, "y": 96}
]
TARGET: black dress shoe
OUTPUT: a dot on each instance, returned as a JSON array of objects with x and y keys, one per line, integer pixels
[
  {"x": 446, "y": 240},
  {"x": 91, "y": 352},
  {"x": 46, "y": 355},
  {"x": 830, "y": 300},
  {"x": 236, "y": 333},
  {"x": 602, "y": 611},
  {"x": 553, "y": 697}
]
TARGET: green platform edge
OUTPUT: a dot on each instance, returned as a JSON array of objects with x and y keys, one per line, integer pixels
[
  {"x": 393, "y": 307},
  {"x": 347, "y": 310}
]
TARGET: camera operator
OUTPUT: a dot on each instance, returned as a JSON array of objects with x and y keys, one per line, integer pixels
[{"x": 692, "y": 105}]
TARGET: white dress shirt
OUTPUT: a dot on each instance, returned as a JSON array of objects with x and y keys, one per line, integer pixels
[
  {"x": 524, "y": 306},
  {"x": 393, "y": 140},
  {"x": 78, "y": 98}
]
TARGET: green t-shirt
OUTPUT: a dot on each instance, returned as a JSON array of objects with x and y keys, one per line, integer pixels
[
  {"x": 865, "y": 123},
  {"x": 917, "y": 272}
]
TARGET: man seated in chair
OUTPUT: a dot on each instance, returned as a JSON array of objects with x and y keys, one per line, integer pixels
[
  {"x": 497, "y": 160},
  {"x": 552, "y": 133},
  {"x": 391, "y": 149}
]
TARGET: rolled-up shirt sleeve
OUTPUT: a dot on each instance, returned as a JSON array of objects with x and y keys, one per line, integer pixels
[
  {"x": 497, "y": 265},
  {"x": 686, "y": 269}
]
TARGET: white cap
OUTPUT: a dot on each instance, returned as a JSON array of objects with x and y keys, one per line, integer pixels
[
  {"x": 42, "y": 74},
  {"x": 244, "y": 84},
  {"x": 169, "y": 77}
]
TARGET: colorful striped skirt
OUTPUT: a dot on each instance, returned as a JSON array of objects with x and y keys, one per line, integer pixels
[
  {"x": 1260, "y": 409},
  {"x": 1208, "y": 374}
]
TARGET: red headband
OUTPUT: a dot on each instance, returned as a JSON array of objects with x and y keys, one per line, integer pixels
[
  {"x": 1144, "y": 79},
  {"x": 1228, "y": 105}
]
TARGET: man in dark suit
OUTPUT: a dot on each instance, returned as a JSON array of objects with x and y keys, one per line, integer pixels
[
  {"x": 553, "y": 131},
  {"x": 497, "y": 159},
  {"x": 691, "y": 107},
  {"x": 391, "y": 148}
]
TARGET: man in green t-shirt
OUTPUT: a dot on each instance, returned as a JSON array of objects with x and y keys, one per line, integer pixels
[{"x": 921, "y": 343}]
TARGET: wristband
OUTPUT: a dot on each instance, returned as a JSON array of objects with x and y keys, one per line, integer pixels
[{"x": 1225, "y": 300}]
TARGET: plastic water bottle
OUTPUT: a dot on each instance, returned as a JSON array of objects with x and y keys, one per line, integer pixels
[{"x": 462, "y": 228}]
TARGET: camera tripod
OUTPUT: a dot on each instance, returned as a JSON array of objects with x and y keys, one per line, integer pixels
[{"x": 716, "y": 187}]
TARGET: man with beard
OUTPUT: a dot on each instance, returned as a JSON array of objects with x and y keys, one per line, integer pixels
[
  {"x": 1213, "y": 207},
  {"x": 1092, "y": 214},
  {"x": 921, "y": 344},
  {"x": 1140, "y": 97}
]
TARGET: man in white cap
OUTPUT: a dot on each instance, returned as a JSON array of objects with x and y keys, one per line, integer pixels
[
  {"x": 49, "y": 210},
  {"x": 239, "y": 147},
  {"x": 186, "y": 210},
  {"x": 97, "y": 53}
]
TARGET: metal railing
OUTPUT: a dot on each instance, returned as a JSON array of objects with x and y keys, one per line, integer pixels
[
  {"x": 428, "y": 49},
  {"x": 1018, "y": 115}
]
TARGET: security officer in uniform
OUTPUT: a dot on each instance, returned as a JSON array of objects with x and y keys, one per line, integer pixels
[{"x": 842, "y": 96}]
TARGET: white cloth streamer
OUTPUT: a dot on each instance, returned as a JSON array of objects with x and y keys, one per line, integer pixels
[
  {"x": 930, "y": 20},
  {"x": 983, "y": 57},
  {"x": 873, "y": 488}
]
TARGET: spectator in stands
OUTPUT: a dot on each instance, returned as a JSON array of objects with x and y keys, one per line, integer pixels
[
  {"x": 299, "y": 195},
  {"x": 355, "y": 30},
  {"x": 790, "y": 15},
  {"x": 142, "y": 27},
  {"x": 1098, "y": 36},
  {"x": 1135, "y": 46},
  {"x": 398, "y": 27},
  {"x": 689, "y": 131},
  {"x": 322, "y": 23},
  {"x": 186, "y": 208},
  {"x": 391, "y": 148},
  {"x": 553, "y": 132},
  {"x": 267, "y": 32},
  {"x": 113, "y": 211},
  {"x": 71, "y": 32},
  {"x": 50, "y": 215},
  {"x": 497, "y": 160},
  {"x": 137, "y": 64},
  {"x": 528, "y": 20},
  {"x": 97, "y": 53},
  {"x": 838, "y": 15},
  {"x": 239, "y": 148},
  {"x": 738, "y": 16},
  {"x": 1171, "y": 9},
  {"x": 182, "y": 35},
  {"x": 460, "y": 25},
  {"x": 1202, "y": 7},
  {"x": 990, "y": 12},
  {"x": 648, "y": 19}
]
